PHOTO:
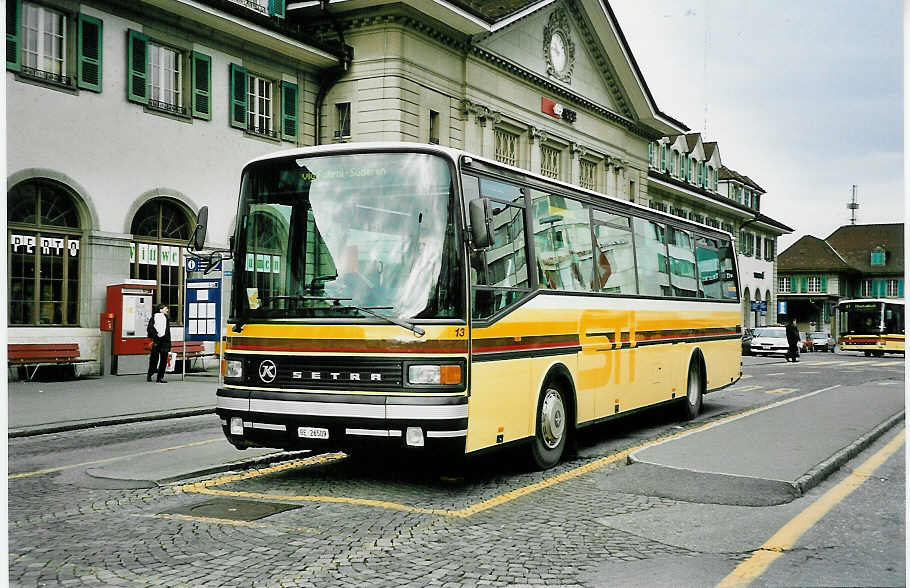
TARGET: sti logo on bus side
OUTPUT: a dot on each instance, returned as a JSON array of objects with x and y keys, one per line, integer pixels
[{"x": 339, "y": 376}]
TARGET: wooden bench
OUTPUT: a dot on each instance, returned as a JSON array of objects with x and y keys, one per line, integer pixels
[
  {"x": 194, "y": 350},
  {"x": 38, "y": 354}
]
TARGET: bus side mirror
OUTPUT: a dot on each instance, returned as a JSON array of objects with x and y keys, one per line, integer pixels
[
  {"x": 481, "y": 216},
  {"x": 197, "y": 239}
]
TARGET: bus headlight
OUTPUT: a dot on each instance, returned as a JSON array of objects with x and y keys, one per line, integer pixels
[
  {"x": 233, "y": 369},
  {"x": 434, "y": 374}
]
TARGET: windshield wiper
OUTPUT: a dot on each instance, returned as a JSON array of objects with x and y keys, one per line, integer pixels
[
  {"x": 365, "y": 309},
  {"x": 394, "y": 320}
]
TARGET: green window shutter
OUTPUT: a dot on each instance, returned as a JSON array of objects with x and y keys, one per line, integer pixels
[
  {"x": 288, "y": 111},
  {"x": 793, "y": 283},
  {"x": 900, "y": 288},
  {"x": 137, "y": 68},
  {"x": 803, "y": 284},
  {"x": 89, "y": 53},
  {"x": 238, "y": 96},
  {"x": 276, "y": 8},
  {"x": 13, "y": 34},
  {"x": 824, "y": 283},
  {"x": 202, "y": 85}
]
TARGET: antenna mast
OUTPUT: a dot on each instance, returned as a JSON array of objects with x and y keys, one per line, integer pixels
[{"x": 853, "y": 205}]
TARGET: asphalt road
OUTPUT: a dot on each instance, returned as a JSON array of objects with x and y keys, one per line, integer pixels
[{"x": 330, "y": 520}]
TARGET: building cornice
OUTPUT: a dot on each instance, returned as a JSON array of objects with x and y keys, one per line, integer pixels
[{"x": 668, "y": 181}]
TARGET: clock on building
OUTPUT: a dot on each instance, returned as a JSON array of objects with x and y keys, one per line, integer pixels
[{"x": 559, "y": 50}]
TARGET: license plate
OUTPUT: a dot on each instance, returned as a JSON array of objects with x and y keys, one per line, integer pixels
[{"x": 312, "y": 433}]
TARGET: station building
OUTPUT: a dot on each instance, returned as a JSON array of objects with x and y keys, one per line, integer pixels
[{"x": 125, "y": 117}]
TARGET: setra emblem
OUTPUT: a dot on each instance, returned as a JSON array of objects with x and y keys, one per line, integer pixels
[{"x": 268, "y": 371}]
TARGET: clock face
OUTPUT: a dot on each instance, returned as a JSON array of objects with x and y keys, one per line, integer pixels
[{"x": 558, "y": 52}]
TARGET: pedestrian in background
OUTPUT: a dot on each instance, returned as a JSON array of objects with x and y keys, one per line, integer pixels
[
  {"x": 792, "y": 341},
  {"x": 159, "y": 331}
]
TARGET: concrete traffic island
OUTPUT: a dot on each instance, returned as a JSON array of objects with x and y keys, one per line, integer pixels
[{"x": 768, "y": 456}]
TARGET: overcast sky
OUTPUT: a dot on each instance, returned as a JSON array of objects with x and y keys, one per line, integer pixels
[{"x": 803, "y": 96}]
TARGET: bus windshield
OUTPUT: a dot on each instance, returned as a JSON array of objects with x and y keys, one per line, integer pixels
[
  {"x": 320, "y": 236},
  {"x": 862, "y": 317}
]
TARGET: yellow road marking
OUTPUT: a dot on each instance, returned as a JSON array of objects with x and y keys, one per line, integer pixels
[
  {"x": 745, "y": 388},
  {"x": 251, "y": 524},
  {"x": 110, "y": 459},
  {"x": 781, "y": 391},
  {"x": 790, "y": 533},
  {"x": 208, "y": 486}
]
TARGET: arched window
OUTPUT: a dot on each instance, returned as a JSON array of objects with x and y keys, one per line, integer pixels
[
  {"x": 44, "y": 241},
  {"x": 161, "y": 229}
]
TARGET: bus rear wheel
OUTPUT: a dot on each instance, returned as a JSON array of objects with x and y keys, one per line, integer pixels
[
  {"x": 552, "y": 428},
  {"x": 694, "y": 392}
]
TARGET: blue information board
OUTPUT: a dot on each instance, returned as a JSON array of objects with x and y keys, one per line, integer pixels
[{"x": 202, "y": 309}]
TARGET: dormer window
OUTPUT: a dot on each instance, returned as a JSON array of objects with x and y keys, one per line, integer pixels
[
  {"x": 673, "y": 159},
  {"x": 692, "y": 170},
  {"x": 878, "y": 256},
  {"x": 663, "y": 158}
]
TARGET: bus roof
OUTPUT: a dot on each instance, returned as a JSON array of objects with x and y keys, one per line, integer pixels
[
  {"x": 867, "y": 300},
  {"x": 456, "y": 155}
]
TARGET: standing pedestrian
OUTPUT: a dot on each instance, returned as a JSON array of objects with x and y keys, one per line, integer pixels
[
  {"x": 159, "y": 331},
  {"x": 792, "y": 341}
]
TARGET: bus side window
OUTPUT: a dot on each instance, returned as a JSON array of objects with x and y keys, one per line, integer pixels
[
  {"x": 614, "y": 258},
  {"x": 707, "y": 259},
  {"x": 682, "y": 262},
  {"x": 651, "y": 254},
  {"x": 563, "y": 244}
]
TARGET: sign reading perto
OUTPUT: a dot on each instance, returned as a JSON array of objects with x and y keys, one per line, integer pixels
[{"x": 557, "y": 110}]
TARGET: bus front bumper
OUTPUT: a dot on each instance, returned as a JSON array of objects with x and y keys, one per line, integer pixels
[{"x": 304, "y": 420}]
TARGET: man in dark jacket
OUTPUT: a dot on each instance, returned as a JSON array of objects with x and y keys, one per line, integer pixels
[
  {"x": 792, "y": 341},
  {"x": 159, "y": 331}
]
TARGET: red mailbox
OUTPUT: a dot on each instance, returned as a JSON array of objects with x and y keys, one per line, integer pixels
[{"x": 131, "y": 304}]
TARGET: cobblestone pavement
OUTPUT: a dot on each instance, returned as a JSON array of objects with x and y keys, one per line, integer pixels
[
  {"x": 348, "y": 522},
  {"x": 62, "y": 533}
]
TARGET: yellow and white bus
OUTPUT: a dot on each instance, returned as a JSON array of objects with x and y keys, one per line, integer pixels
[
  {"x": 418, "y": 297},
  {"x": 874, "y": 326}
]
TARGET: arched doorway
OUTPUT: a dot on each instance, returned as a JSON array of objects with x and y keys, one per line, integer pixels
[
  {"x": 45, "y": 237},
  {"x": 161, "y": 228}
]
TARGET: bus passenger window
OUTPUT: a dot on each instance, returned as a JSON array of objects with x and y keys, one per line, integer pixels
[
  {"x": 681, "y": 247},
  {"x": 651, "y": 257},
  {"x": 614, "y": 258},
  {"x": 562, "y": 239}
]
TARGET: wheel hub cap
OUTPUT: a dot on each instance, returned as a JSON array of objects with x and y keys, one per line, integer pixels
[{"x": 553, "y": 419}]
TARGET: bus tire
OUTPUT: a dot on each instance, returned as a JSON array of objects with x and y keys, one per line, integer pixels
[
  {"x": 695, "y": 390},
  {"x": 552, "y": 427},
  {"x": 867, "y": 353}
]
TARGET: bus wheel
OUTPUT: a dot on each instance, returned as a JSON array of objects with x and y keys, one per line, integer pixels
[
  {"x": 867, "y": 353},
  {"x": 550, "y": 440},
  {"x": 694, "y": 392}
]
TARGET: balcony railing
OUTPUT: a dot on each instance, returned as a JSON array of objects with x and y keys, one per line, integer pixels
[
  {"x": 167, "y": 107},
  {"x": 46, "y": 76},
  {"x": 263, "y": 131}
]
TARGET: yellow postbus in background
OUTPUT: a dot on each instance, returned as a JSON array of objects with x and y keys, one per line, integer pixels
[
  {"x": 403, "y": 296},
  {"x": 874, "y": 326}
]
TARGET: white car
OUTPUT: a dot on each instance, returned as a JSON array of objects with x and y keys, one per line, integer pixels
[{"x": 770, "y": 341}]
